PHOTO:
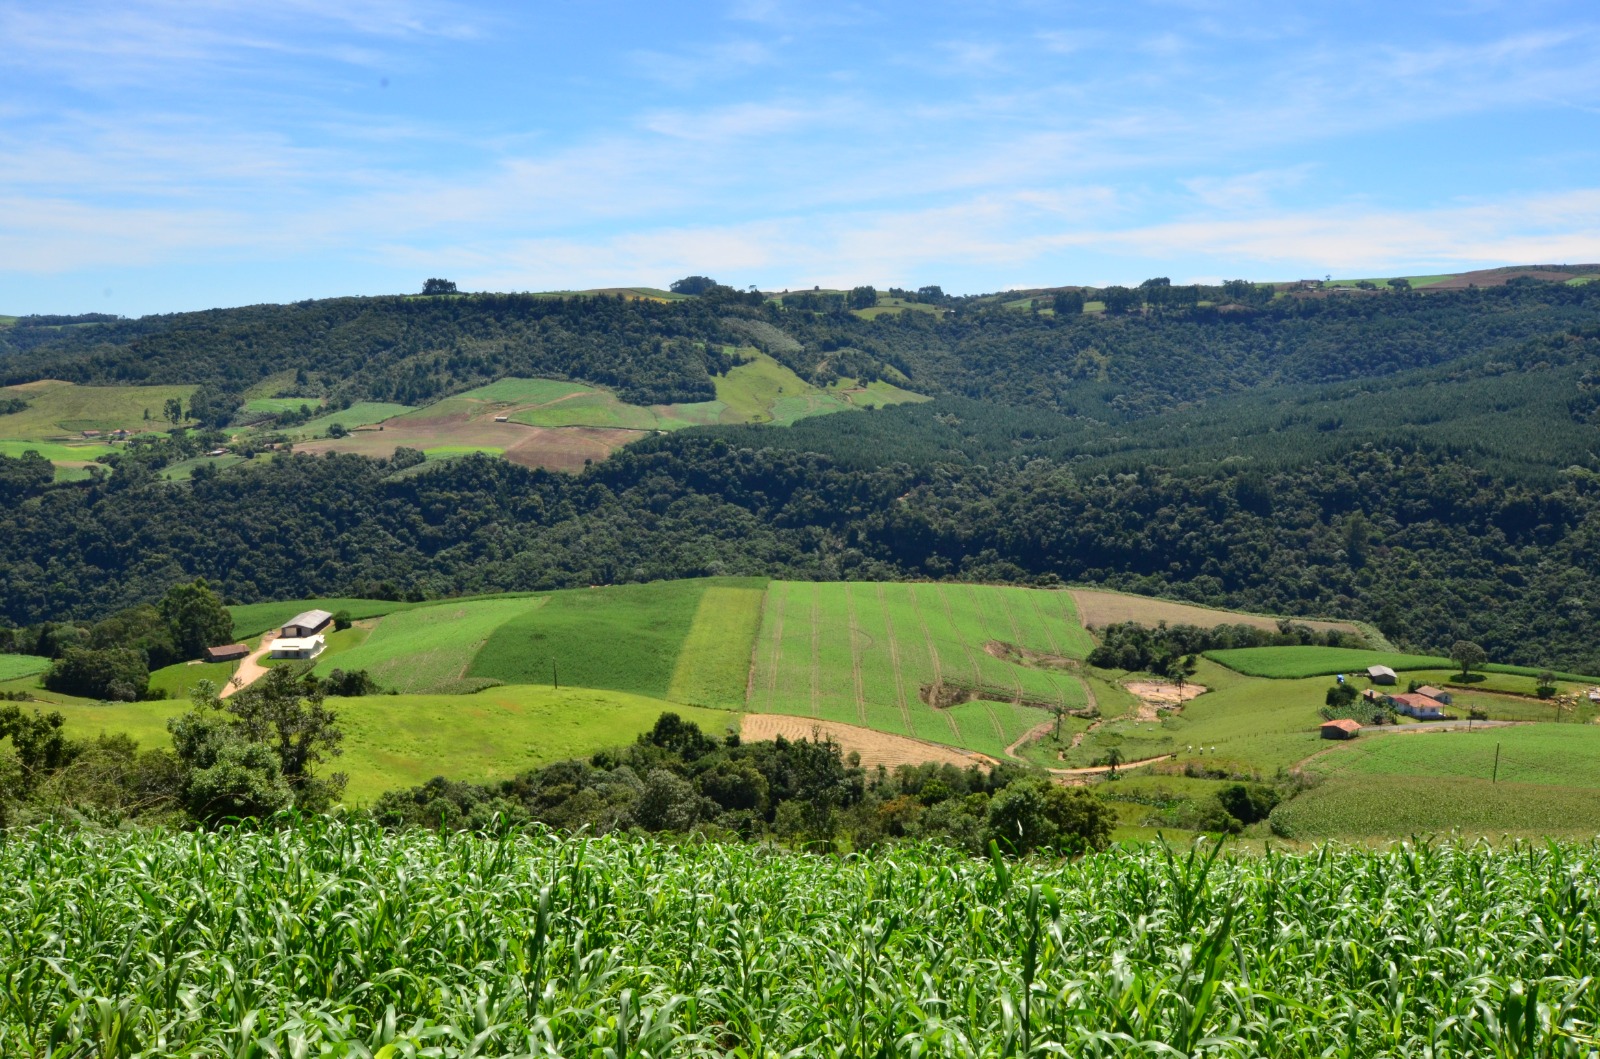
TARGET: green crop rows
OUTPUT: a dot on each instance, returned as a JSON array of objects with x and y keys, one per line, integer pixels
[
  {"x": 1370, "y": 807},
  {"x": 863, "y": 653},
  {"x": 341, "y": 940}
]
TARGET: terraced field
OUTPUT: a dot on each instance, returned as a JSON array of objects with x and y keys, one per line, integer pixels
[{"x": 920, "y": 660}]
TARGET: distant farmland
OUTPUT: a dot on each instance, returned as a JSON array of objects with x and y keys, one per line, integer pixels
[
  {"x": 1100, "y": 608},
  {"x": 876, "y": 654}
]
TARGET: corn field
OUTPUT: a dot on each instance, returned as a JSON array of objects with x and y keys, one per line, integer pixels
[{"x": 339, "y": 939}]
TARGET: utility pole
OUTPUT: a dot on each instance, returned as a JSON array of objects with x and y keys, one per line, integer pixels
[
  {"x": 1496, "y": 777},
  {"x": 555, "y": 677}
]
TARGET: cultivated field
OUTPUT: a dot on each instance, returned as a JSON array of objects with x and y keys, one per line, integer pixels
[
  {"x": 252, "y": 619},
  {"x": 1099, "y": 608},
  {"x": 562, "y": 425},
  {"x": 622, "y": 637},
  {"x": 339, "y": 939},
  {"x": 1374, "y": 806},
  {"x": 920, "y": 660},
  {"x": 713, "y": 667},
  {"x": 872, "y": 747},
  {"x": 1563, "y": 755},
  {"x": 430, "y": 649},
  {"x": 1294, "y": 662}
]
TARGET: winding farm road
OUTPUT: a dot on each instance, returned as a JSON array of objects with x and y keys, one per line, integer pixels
[{"x": 250, "y": 668}]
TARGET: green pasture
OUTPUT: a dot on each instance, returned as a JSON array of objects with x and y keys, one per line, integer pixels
[
  {"x": 252, "y": 619},
  {"x": 752, "y": 390},
  {"x": 619, "y": 637},
  {"x": 360, "y": 414},
  {"x": 427, "y": 649},
  {"x": 14, "y": 667},
  {"x": 1563, "y": 755},
  {"x": 68, "y": 459},
  {"x": 178, "y": 680},
  {"x": 713, "y": 667},
  {"x": 56, "y": 408},
  {"x": 183, "y": 470},
  {"x": 875, "y": 394},
  {"x": 862, "y": 653},
  {"x": 450, "y": 452},
  {"x": 402, "y": 740},
  {"x": 1378, "y": 806}
]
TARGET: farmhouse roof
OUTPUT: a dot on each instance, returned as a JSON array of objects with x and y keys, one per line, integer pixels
[
  {"x": 227, "y": 652},
  {"x": 1430, "y": 691},
  {"x": 309, "y": 619},
  {"x": 1344, "y": 724},
  {"x": 1379, "y": 671},
  {"x": 1417, "y": 702}
]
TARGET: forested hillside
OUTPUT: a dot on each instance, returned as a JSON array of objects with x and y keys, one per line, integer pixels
[{"x": 1425, "y": 462}]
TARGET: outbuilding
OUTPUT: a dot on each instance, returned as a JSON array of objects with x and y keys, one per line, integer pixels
[
  {"x": 1381, "y": 675},
  {"x": 1342, "y": 728},
  {"x": 306, "y": 623},
  {"x": 302, "y": 647},
  {"x": 1435, "y": 694},
  {"x": 227, "y": 652}
]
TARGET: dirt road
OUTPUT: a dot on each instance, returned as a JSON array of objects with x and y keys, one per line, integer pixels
[{"x": 250, "y": 668}]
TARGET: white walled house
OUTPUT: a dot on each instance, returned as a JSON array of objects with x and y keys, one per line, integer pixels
[{"x": 304, "y": 647}]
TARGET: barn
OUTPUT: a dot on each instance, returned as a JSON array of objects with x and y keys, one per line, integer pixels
[
  {"x": 306, "y": 623},
  {"x": 227, "y": 652},
  {"x": 1381, "y": 675}
]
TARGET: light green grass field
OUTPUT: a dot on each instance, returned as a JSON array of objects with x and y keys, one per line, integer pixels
[
  {"x": 13, "y": 667},
  {"x": 862, "y": 653},
  {"x": 1370, "y": 807},
  {"x": 402, "y": 740},
  {"x": 178, "y": 680},
  {"x": 752, "y": 392},
  {"x": 56, "y": 408},
  {"x": 713, "y": 667},
  {"x": 1564, "y": 755},
  {"x": 70, "y": 460},
  {"x": 428, "y": 648},
  {"x": 184, "y": 470},
  {"x": 876, "y": 394},
  {"x": 620, "y": 637}
]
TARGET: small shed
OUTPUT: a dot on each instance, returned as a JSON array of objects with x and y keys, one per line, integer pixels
[
  {"x": 227, "y": 652},
  {"x": 302, "y": 647},
  {"x": 1342, "y": 728},
  {"x": 502, "y": 419},
  {"x": 1381, "y": 675},
  {"x": 306, "y": 623},
  {"x": 1435, "y": 694}
]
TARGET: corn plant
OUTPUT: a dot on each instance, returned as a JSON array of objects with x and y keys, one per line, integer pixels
[{"x": 332, "y": 938}]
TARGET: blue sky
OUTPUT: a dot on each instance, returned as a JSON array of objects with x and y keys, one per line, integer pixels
[{"x": 159, "y": 155}]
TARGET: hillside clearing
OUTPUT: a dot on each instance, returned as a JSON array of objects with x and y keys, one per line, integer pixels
[
  {"x": 1100, "y": 608},
  {"x": 13, "y": 667},
  {"x": 1370, "y": 807},
  {"x": 58, "y": 408},
  {"x": 1564, "y": 755},
  {"x": 429, "y": 649},
  {"x": 713, "y": 666}
]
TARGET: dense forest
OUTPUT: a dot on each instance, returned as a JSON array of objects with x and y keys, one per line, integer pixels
[{"x": 1424, "y": 462}]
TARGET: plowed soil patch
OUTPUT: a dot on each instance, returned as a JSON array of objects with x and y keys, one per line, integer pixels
[
  {"x": 1099, "y": 609},
  {"x": 554, "y": 448},
  {"x": 875, "y": 748}
]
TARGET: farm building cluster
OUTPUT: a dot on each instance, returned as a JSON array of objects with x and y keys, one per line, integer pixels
[
  {"x": 1425, "y": 703},
  {"x": 302, "y": 636}
]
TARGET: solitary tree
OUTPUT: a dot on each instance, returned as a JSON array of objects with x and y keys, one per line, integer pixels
[
  {"x": 438, "y": 286},
  {"x": 1467, "y": 654},
  {"x": 693, "y": 285},
  {"x": 173, "y": 411},
  {"x": 197, "y": 618}
]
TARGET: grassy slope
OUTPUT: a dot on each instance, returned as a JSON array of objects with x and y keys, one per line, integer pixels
[
  {"x": 56, "y": 408},
  {"x": 428, "y": 648},
  {"x": 713, "y": 668},
  {"x": 14, "y": 666},
  {"x": 1551, "y": 754},
  {"x": 622, "y": 637},
  {"x": 1402, "y": 806},
  {"x": 860, "y": 653},
  {"x": 360, "y": 414},
  {"x": 1295, "y": 662},
  {"x": 402, "y": 740}
]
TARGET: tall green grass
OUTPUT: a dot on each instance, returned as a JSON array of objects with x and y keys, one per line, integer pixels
[{"x": 333, "y": 939}]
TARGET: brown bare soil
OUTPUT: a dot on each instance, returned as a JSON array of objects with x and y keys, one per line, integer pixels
[
  {"x": 875, "y": 748},
  {"x": 1499, "y": 277},
  {"x": 1157, "y": 695},
  {"x": 1099, "y": 609},
  {"x": 554, "y": 448},
  {"x": 1025, "y": 656}
]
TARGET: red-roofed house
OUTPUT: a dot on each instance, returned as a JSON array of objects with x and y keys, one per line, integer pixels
[
  {"x": 1343, "y": 728},
  {"x": 1418, "y": 706}
]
